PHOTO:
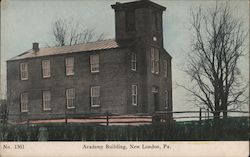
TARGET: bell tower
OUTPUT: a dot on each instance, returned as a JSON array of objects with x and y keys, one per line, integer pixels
[{"x": 139, "y": 19}]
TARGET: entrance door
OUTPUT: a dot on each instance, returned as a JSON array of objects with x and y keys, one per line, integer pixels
[
  {"x": 156, "y": 101},
  {"x": 155, "y": 91}
]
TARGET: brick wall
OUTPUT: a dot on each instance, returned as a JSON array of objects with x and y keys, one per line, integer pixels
[{"x": 111, "y": 78}]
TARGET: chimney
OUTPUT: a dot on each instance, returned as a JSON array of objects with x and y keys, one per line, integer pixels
[{"x": 35, "y": 47}]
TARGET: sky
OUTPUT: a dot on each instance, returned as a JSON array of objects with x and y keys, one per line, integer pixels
[{"x": 26, "y": 21}]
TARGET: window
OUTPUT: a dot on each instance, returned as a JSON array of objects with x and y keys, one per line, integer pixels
[
  {"x": 24, "y": 71},
  {"x": 156, "y": 20},
  {"x": 24, "y": 102},
  {"x": 130, "y": 20},
  {"x": 94, "y": 63},
  {"x": 165, "y": 69},
  {"x": 46, "y": 68},
  {"x": 155, "y": 89},
  {"x": 69, "y": 64},
  {"x": 95, "y": 96},
  {"x": 154, "y": 60},
  {"x": 154, "y": 38},
  {"x": 70, "y": 98},
  {"x": 166, "y": 99},
  {"x": 133, "y": 61},
  {"x": 134, "y": 95},
  {"x": 46, "y": 100}
]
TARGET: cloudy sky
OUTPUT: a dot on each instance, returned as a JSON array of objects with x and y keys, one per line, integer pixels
[{"x": 27, "y": 21}]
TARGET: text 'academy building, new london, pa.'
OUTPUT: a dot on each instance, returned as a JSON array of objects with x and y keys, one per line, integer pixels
[{"x": 129, "y": 75}]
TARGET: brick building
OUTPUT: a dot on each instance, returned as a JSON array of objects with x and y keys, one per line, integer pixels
[{"x": 130, "y": 74}]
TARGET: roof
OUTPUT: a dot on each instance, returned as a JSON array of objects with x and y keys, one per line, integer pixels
[
  {"x": 47, "y": 51},
  {"x": 137, "y": 4}
]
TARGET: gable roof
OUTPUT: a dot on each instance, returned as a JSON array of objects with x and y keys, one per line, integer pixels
[{"x": 48, "y": 51}]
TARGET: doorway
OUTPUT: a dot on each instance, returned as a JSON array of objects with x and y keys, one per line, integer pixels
[{"x": 155, "y": 92}]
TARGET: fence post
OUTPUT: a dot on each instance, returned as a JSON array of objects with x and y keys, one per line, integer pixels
[
  {"x": 66, "y": 118},
  {"x": 205, "y": 115},
  {"x": 107, "y": 118},
  {"x": 200, "y": 125},
  {"x": 208, "y": 113},
  {"x": 28, "y": 120},
  {"x": 200, "y": 115}
]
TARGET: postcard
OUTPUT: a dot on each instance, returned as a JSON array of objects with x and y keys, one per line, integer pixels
[{"x": 124, "y": 78}]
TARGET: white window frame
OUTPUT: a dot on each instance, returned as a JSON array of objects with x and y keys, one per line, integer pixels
[
  {"x": 24, "y": 71},
  {"x": 94, "y": 63},
  {"x": 46, "y": 100},
  {"x": 134, "y": 98},
  {"x": 152, "y": 60},
  {"x": 69, "y": 66},
  {"x": 157, "y": 61},
  {"x": 155, "y": 58},
  {"x": 46, "y": 68},
  {"x": 166, "y": 99},
  {"x": 133, "y": 61},
  {"x": 24, "y": 102},
  {"x": 95, "y": 96},
  {"x": 70, "y": 98},
  {"x": 165, "y": 68}
]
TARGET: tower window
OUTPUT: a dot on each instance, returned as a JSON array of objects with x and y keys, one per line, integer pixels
[
  {"x": 154, "y": 60},
  {"x": 166, "y": 100},
  {"x": 133, "y": 61},
  {"x": 156, "y": 18},
  {"x": 134, "y": 95},
  {"x": 165, "y": 68},
  {"x": 130, "y": 20}
]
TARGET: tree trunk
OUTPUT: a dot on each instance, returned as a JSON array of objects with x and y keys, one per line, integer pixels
[
  {"x": 224, "y": 106},
  {"x": 217, "y": 127},
  {"x": 216, "y": 115},
  {"x": 225, "y": 111}
]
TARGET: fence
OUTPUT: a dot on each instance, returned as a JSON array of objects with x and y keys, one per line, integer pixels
[
  {"x": 127, "y": 128},
  {"x": 112, "y": 119},
  {"x": 234, "y": 129}
]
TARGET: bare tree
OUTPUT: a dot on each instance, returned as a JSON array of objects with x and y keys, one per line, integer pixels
[
  {"x": 217, "y": 45},
  {"x": 71, "y": 32}
]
